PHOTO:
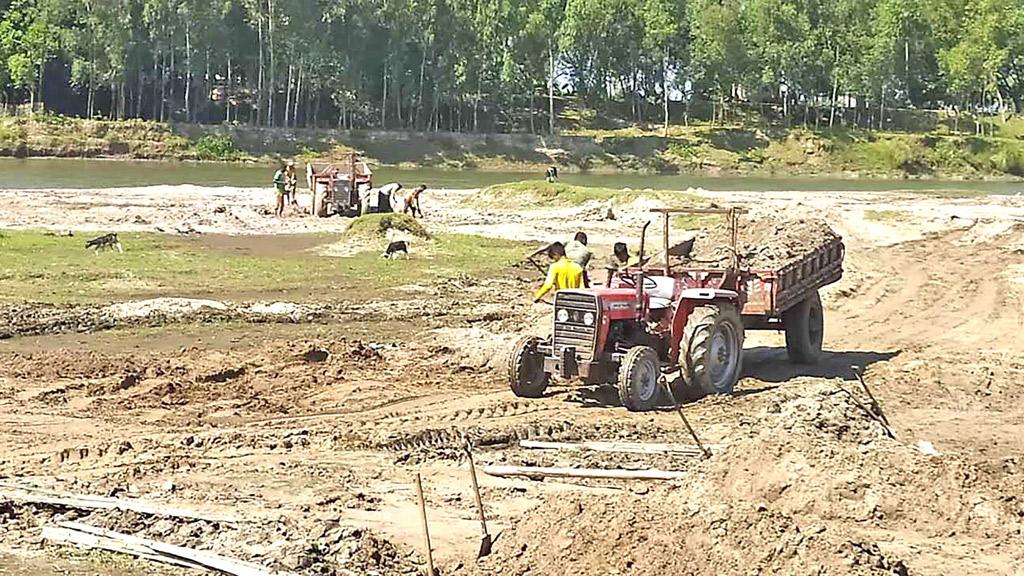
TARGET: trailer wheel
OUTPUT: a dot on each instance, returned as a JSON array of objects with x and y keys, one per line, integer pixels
[
  {"x": 712, "y": 348},
  {"x": 526, "y": 375},
  {"x": 639, "y": 373},
  {"x": 319, "y": 202},
  {"x": 805, "y": 330}
]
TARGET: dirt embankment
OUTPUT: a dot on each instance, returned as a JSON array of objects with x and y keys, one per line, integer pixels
[
  {"x": 694, "y": 149},
  {"x": 805, "y": 486}
]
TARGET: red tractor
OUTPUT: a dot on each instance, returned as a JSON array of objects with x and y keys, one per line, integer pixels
[{"x": 658, "y": 318}]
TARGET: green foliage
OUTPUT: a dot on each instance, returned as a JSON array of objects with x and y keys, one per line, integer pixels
[
  {"x": 378, "y": 225},
  {"x": 483, "y": 65},
  {"x": 1010, "y": 159},
  {"x": 216, "y": 147}
]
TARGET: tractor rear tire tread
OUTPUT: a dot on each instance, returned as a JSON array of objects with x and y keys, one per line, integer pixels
[
  {"x": 521, "y": 383},
  {"x": 697, "y": 339},
  {"x": 801, "y": 346},
  {"x": 629, "y": 369}
]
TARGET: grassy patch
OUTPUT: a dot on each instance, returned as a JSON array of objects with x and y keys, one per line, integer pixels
[
  {"x": 885, "y": 216},
  {"x": 44, "y": 268},
  {"x": 377, "y": 226},
  {"x": 540, "y": 193}
]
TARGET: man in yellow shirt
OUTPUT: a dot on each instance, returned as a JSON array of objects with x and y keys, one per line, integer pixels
[{"x": 563, "y": 273}]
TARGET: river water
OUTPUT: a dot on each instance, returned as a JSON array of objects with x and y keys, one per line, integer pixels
[{"x": 73, "y": 173}]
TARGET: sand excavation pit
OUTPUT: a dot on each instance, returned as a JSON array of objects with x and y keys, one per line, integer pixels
[{"x": 33, "y": 320}]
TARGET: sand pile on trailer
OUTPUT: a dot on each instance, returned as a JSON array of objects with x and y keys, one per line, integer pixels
[{"x": 764, "y": 242}]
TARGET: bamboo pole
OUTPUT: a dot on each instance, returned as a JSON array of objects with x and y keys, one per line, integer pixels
[
  {"x": 617, "y": 447},
  {"x": 612, "y": 474},
  {"x": 426, "y": 528},
  {"x": 33, "y": 495},
  {"x": 78, "y": 533}
]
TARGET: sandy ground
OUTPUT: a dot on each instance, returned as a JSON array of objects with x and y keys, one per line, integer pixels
[{"x": 312, "y": 435}]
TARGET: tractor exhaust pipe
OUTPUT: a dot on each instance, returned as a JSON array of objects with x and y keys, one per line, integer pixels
[
  {"x": 639, "y": 279},
  {"x": 643, "y": 240}
]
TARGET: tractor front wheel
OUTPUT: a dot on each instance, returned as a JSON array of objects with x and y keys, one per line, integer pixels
[
  {"x": 805, "y": 330},
  {"x": 319, "y": 202},
  {"x": 526, "y": 375},
  {"x": 712, "y": 348},
  {"x": 639, "y": 374}
]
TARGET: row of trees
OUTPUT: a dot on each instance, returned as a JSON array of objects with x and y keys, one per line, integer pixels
[{"x": 502, "y": 64}]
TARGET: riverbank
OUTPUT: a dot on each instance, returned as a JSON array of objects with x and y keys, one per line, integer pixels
[{"x": 697, "y": 150}]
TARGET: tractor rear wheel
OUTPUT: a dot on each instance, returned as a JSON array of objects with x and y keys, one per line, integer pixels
[
  {"x": 805, "y": 330},
  {"x": 526, "y": 375},
  {"x": 639, "y": 374},
  {"x": 712, "y": 348}
]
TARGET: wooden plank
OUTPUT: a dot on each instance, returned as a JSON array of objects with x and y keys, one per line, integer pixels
[
  {"x": 181, "y": 553},
  {"x": 617, "y": 447},
  {"x": 61, "y": 535},
  {"x": 698, "y": 210},
  {"x": 613, "y": 474},
  {"x": 30, "y": 494}
]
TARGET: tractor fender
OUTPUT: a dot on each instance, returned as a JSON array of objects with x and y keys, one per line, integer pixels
[
  {"x": 688, "y": 300},
  {"x": 707, "y": 294}
]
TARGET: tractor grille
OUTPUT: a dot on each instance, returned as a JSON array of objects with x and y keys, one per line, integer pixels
[{"x": 573, "y": 331}]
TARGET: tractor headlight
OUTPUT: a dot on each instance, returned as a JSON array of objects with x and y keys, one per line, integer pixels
[
  {"x": 562, "y": 315},
  {"x": 588, "y": 319}
]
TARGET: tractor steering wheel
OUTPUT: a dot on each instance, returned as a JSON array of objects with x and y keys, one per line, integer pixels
[{"x": 649, "y": 283}]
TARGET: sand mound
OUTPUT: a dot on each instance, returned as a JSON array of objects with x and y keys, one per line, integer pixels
[
  {"x": 801, "y": 489},
  {"x": 765, "y": 241},
  {"x": 666, "y": 532}
]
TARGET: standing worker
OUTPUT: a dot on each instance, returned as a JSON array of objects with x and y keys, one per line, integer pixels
[
  {"x": 291, "y": 185},
  {"x": 412, "y": 203},
  {"x": 580, "y": 253},
  {"x": 564, "y": 274},
  {"x": 280, "y": 188}
]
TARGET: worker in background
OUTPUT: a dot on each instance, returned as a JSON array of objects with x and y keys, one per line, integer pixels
[
  {"x": 412, "y": 202},
  {"x": 389, "y": 193},
  {"x": 564, "y": 274},
  {"x": 291, "y": 184},
  {"x": 619, "y": 261},
  {"x": 580, "y": 253},
  {"x": 280, "y": 189}
]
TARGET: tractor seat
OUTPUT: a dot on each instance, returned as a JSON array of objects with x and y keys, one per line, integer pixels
[
  {"x": 660, "y": 287},
  {"x": 657, "y": 303}
]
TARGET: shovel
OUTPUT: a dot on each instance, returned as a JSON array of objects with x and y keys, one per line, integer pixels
[{"x": 485, "y": 539}]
